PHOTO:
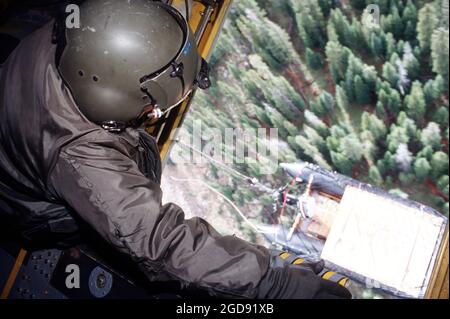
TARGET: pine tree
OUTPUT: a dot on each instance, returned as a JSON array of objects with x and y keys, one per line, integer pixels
[
  {"x": 409, "y": 125},
  {"x": 441, "y": 115},
  {"x": 394, "y": 101},
  {"x": 332, "y": 144},
  {"x": 362, "y": 94},
  {"x": 278, "y": 121},
  {"x": 403, "y": 77},
  {"x": 316, "y": 123},
  {"x": 304, "y": 23},
  {"x": 312, "y": 151},
  {"x": 439, "y": 86},
  {"x": 267, "y": 38},
  {"x": 422, "y": 168},
  {"x": 337, "y": 57},
  {"x": 343, "y": 28},
  {"x": 262, "y": 116},
  {"x": 426, "y": 152},
  {"x": 333, "y": 141},
  {"x": 410, "y": 30},
  {"x": 317, "y": 108},
  {"x": 374, "y": 125},
  {"x": 403, "y": 158},
  {"x": 390, "y": 73},
  {"x": 352, "y": 147},
  {"x": 434, "y": 89},
  {"x": 376, "y": 45},
  {"x": 360, "y": 36},
  {"x": 313, "y": 59},
  {"x": 326, "y": 100},
  {"x": 411, "y": 62},
  {"x": 413, "y": 67},
  {"x": 415, "y": 102},
  {"x": 310, "y": 22},
  {"x": 439, "y": 164},
  {"x": 349, "y": 84},
  {"x": 234, "y": 70},
  {"x": 358, "y": 4},
  {"x": 400, "y": 46},
  {"x": 417, "y": 51},
  {"x": 406, "y": 178},
  {"x": 314, "y": 138},
  {"x": 398, "y": 135},
  {"x": 278, "y": 44},
  {"x": 409, "y": 18},
  {"x": 342, "y": 163},
  {"x": 380, "y": 111},
  {"x": 388, "y": 163},
  {"x": 375, "y": 176},
  {"x": 394, "y": 58},
  {"x": 443, "y": 185},
  {"x": 389, "y": 97},
  {"x": 342, "y": 106},
  {"x": 429, "y": 93},
  {"x": 290, "y": 128},
  {"x": 427, "y": 23},
  {"x": 431, "y": 136},
  {"x": 391, "y": 45},
  {"x": 440, "y": 53},
  {"x": 275, "y": 90},
  {"x": 393, "y": 23},
  {"x": 369, "y": 146}
]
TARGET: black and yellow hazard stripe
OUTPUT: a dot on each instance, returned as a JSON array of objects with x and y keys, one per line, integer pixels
[
  {"x": 325, "y": 274},
  {"x": 335, "y": 277}
]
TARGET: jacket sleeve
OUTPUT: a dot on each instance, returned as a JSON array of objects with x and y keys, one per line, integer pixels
[{"x": 106, "y": 188}]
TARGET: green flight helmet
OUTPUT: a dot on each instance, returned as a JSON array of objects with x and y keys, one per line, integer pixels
[{"x": 126, "y": 56}]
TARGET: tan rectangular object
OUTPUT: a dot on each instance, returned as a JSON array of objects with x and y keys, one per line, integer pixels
[
  {"x": 325, "y": 212},
  {"x": 384, "y": 240}
]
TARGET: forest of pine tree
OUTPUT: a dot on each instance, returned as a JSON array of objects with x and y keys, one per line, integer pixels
[{"x": 369, "y": 103}]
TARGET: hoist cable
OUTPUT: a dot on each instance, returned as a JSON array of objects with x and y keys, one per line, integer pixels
[{"x": 255, "y": 228}]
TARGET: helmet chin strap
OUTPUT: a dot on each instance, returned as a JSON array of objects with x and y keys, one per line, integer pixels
[{"x": 118, "y": 127}]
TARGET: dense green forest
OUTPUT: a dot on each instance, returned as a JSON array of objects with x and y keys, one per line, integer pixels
[{"x": 371, "y": 103}]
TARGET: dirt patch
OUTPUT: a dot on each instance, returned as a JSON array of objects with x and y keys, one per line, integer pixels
[{"x": 183, "y": 185}]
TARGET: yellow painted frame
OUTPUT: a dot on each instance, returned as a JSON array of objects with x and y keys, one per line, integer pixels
[{"x": 439, "y": 282}]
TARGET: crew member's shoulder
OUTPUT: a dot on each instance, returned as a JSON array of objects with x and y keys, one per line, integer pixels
[
  {"x": 37, "y": 43},
  {"x": 98, "y": 142}
]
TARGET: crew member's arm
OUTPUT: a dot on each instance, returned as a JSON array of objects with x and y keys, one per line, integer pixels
[{"x": 105, "y": 187}]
